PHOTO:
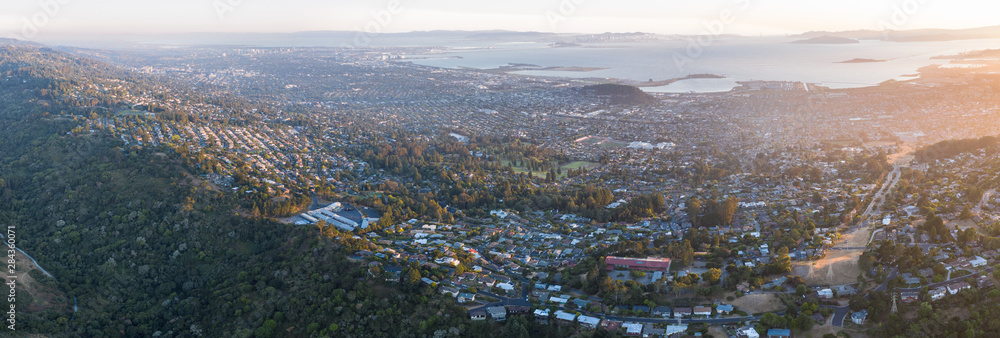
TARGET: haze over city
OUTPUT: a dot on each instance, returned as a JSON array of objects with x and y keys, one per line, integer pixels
[
  {"x": 558, "y": 168},
  {"x": 76, "y": 18}
]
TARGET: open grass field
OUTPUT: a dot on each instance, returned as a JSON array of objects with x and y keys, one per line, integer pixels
[
  {"x": 581, "y": 164},
  {"x": 539, "y": 174},
  {"x": 602, "y": 142},
  {"x": 611, "y": 144},
  {"x": 565, "y": 168}
]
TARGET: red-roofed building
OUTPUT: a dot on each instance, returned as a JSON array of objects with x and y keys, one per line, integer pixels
[
  {"x": 611, "y": 325},
  {"x": 647, "y": 264}
]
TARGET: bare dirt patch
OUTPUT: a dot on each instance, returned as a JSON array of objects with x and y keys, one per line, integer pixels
[
  {"x": 904, "y": 156},
  {"x": 820, "y": 330},
  {"x": 757, "y": 303},
  {"x": 839, "y": 266},
  {"x": 717, "y": 331}
]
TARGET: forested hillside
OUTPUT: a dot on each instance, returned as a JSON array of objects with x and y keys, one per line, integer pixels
[
  {"x": 620, "y": 94},
  {"x": 949, "y": 148},
  {"x": 149, "y": 250}
]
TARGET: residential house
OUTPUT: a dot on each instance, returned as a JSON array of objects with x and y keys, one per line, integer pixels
[
  {"x": 633, "y": 329},
  {"x": 779, "y": 333},
  {"x": 743, "y": 287},
  {"x": 498, "y": 313},
  {"x": 565, "y": 318},
  {"x": 724, "y": 308},
  {"x": 641, "y": 308},
  {"x": 449, "y": 290},
  {"x": 466, "y": 297},
  {"x": 984, "y": 282},
  {"x": 749, "y": 332},
  {"x": 938, "y": 293},
  {"x": 652, "y": 331},
  {"x": 588, "y": 322},
  {"x": 447, "y": 261},
  {"x": 468, "y": 276},
  {"x": 477, "y": 314},
  {"x": 774, "y": 283},
  {"x": 860, "y": 317},
  {"x": 954, "y": 288},
  {"x": 675, "y": 329},
  {"x": 517, "y": 310},
  {"x": 542, "y": 316},
  {"x": 611, "y": 325},
  {"x": 682, "y": 312},
  {"x": 702, "y": 311},
  {"x": 506, "y": 286},
  {"x": 978, "y": 262},
  {"x": 662, "y": 311},
  {"x": 845, "y": 290},
  {"x": 825, "y": 293},
  {"x": 907, "y": 297}
]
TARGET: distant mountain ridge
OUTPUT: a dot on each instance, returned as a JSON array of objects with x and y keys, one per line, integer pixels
[
  {"x": 917, "y": 35},
  {"x": 16, "y": 42},
  {"x": 435, "y": 38},
  {"x": 827, "y": 40},
  {"x": 339, "y": 38}
]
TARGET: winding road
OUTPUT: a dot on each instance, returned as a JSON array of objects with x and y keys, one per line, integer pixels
[
  {"x": 504, "y": 301},
  {"x": 527, "y": 285}
]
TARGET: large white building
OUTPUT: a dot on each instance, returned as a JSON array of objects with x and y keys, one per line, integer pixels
[{"x": 588, "y": 322}]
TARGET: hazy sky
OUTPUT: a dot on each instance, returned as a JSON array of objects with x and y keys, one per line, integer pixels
[{"x": 750, "y": 17}]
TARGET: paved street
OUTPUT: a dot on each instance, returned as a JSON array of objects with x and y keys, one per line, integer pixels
[{"x": 839, "y": 313}]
